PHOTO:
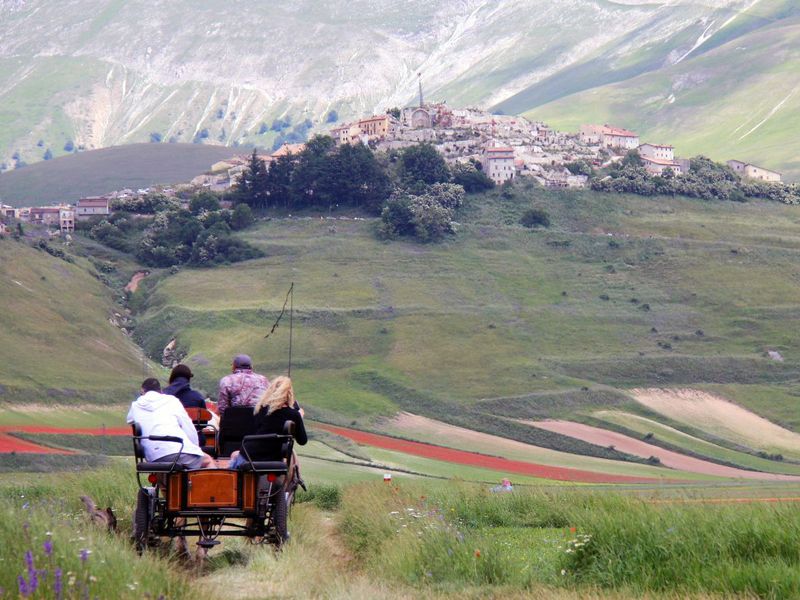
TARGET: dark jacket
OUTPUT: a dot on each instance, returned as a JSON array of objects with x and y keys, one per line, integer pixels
[
  {"x": 182, "y": 391},
  {"x": 274, "y": 423}
]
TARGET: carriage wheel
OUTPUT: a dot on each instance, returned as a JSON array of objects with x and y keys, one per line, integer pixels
[
  {"x": 279, "y": 517},
  {"x": 141, "y": 520}
]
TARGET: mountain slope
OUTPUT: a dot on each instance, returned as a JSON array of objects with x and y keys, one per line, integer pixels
[
  {"x": 56, "y": 342},
  {"x": 739, "y": 100},
  {"x": 107, "y": 72}
]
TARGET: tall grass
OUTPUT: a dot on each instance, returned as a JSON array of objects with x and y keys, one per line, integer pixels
[
  {"x": 50, "y": 549},
  {"x": 461, "y": 535}
]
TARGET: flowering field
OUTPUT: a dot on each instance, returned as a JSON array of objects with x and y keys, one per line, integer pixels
[{"x": 410, "y": 539}]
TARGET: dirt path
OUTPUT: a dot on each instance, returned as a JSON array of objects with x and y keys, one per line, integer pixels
[
  {"x": 133, "y": 284},
  {"x": 673, "y": 460},
  {"x": 9, "y": 443},
  {"x": 473, "y": 459}
]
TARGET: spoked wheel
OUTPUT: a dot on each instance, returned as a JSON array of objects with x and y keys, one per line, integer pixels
[{"x": 141, "y": 520}]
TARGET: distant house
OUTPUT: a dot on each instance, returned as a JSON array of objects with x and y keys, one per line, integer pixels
[
  {"x": 7, "y": 212},
  {"x": 752, "y": 171},
  {"x": 66, "y": 220},
  {"x": 657, "y": 151},
  {"x": 349, "y": 133},
  {"x": 657, "y": 157},
  {"x": 288, "y": 149},
  {"x": 376, "y": 127},
  {"x": 656, "y": 166},
  {"x": 49, "y": 215},
  {"x": 94, "y": 206},
  {"x": 498, "y": 163},
  {"x": 608, "y": 136}
]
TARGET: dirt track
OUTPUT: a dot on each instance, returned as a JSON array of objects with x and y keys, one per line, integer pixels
[
  {"x": 673, "y": 460},
  {"x": 473, "y": 459}
]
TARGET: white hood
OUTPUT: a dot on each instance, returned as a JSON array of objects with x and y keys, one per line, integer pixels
[{"x": 162, "y": 414}]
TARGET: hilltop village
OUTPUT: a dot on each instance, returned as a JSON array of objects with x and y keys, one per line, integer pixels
[{"x": 505, "y": 147}]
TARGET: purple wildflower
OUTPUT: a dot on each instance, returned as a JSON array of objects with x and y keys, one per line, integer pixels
[
  {"x": 34, "y": 582},
  {"x": 58, "y": 585},
  {"x": 29, "y": 563},
  {"x": 23, "y": 586},
  {"x": 85, "y": 555},
  {"x": 48, "y": 547}
]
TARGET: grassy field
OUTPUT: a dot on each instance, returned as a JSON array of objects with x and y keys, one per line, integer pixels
[
  {"x": 416, "y": 538},
  {"x": 96, "y": 172},
  {"x": 501, "y": 311}
]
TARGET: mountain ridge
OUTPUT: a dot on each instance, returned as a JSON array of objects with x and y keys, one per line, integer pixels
[{"x": 121, "y": 72}]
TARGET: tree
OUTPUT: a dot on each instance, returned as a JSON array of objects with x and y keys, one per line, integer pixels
[
  {"x": 279, "y": 182},
  {"x": 252, "y": 187},
  {"x": 355, "y": 178},
  {"x": 332, "y": 117},
  {"x": 202, "y": 202},
  {"x": 69, "y": 146},
  {"x": 48, "y": 154},
  {"x": 471, "y": 178},
  {"x": 394, "y": 112},
  {"x": 242, "y": 217},
  {"x": 423, "y": 164}
]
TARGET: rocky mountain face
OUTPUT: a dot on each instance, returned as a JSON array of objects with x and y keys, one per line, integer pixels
[{"x": 94, "y": 73}]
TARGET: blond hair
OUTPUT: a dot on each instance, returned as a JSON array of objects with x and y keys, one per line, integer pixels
[{"x": 278, "y": 395}]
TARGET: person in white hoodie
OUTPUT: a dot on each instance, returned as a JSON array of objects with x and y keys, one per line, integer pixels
[{"x": 162, "y": 414}]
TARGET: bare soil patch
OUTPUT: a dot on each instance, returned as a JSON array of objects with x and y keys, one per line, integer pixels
[
  {"x": 720, "y": 417},
  {"x": 133, "y": 284}
]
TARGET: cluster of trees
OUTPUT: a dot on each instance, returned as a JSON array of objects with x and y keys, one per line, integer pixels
[
  {"x": 705, "y": 179},
  {"x": 322, "y": 176},
  {"x": 199, "y": 236},
  {"x": 413, "y": 190}
]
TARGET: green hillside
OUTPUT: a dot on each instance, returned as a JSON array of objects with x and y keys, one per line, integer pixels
[
  {"x": 739, "y": 100},
  {"x": 96, "y": 172},
  {"x": 620, "y": 292},
  {"x": 57, "y": 344}
]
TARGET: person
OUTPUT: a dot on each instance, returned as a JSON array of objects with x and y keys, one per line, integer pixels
[
  {"x": 161, "y": 414},
  {"x": 180, "y": 388},
  {"x": 505, "y": 486},
  {"x": 275, "y": 407},
  {"x": 243, "y": 387}
]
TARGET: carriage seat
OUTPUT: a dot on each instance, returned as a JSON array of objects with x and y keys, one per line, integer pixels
[
  {"x": 264, "y": 465},
  {"x": 159, "y": 467}
]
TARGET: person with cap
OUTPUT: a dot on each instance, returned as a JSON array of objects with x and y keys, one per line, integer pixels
[
  {"x": 180, "y": 388},
  {"x": 243, "y": 387}
]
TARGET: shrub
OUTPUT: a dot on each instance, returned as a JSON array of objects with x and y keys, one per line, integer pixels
[{"x": 535, "y": 217}]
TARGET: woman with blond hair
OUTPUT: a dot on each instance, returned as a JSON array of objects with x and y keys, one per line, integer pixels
[{"x": 275, "y": 407}]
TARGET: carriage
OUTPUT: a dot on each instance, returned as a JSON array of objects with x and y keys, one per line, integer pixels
[{"x": 252, "y": 501}]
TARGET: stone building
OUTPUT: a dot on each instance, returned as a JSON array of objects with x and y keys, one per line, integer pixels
[
  {"x": 752, "y": 171},
  {"x": 94, "y": 206},
  {"x": 498, "y": 164}
]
